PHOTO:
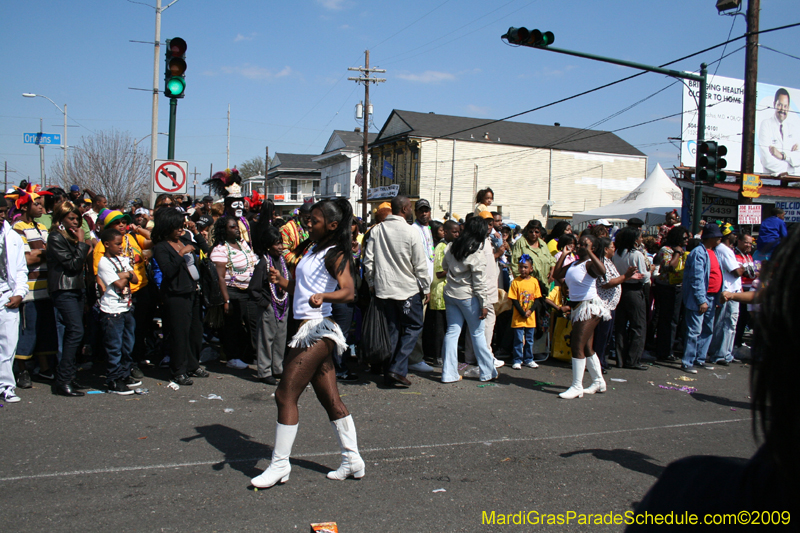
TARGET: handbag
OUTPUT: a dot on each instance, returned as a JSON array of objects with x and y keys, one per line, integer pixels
[{"x": 209, "y": 282}]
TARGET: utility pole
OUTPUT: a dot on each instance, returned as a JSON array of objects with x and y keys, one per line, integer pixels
[
  {"x": 366, "y": 80},
  {"x": 750, "y": 81},
  {"x": 194, "y": 182},
  {"x": 210, "y": 174},
  {"x": 41, "y": 155},
  {"x": 228, "y": 160},
  {"x": 154, "y": 118},
  {"x": 266, "y": 169}
]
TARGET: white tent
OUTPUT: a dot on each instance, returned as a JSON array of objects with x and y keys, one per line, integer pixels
[{"x": 650, "y": 201}]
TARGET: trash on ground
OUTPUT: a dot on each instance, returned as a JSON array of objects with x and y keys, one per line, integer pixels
[
  {"x": 506, "y": 459},
  {"x": 541, "y": 383},
  {"x": 733, "y": 408},
  {"x": 689, "y": 390},
  {"x": 618, "y": 380},
  {"x": 95, "y": 392},
  {"x": 487, "y": 385},
  {"x": 651, "y": 383},
  {"x": 174, "y": 386},
  {"x": 720, "y": 376},
  {"x": 440, "y": 490},
  {"x": 228, "y": 410},
  {"x": 685, "y": 378},
  {"x": 212, "y": 397},
  {"x": 192, "y": 401},
  {"x": 410, "y": 393},
  {"x": 325, "y": 527},
  {"x": 142, "y": 438},
  {"x": 142, "y": 391}
]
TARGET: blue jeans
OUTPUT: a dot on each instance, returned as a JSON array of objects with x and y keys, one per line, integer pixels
[
  {"x": 724, "y": 332},
  {"x": 118, "y": 339},
  {"x": 699, "y": 330},
  {"x": 523, "y": 354},
  {"x": 404, "y": 319},
  {"x": 69, "y": 315},
  {"x": 459, "y": 311}
]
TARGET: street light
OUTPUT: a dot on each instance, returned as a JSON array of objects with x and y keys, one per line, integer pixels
[{"x": 64, "y": 146}]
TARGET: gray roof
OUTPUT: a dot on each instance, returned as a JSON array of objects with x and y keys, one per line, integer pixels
[
  {"x": 354, "y": 139},
  {"x": 512, "y": 133},
  {"x": 296, "y": 162}
]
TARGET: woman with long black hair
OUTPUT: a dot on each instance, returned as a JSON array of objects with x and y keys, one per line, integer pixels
[
  {"x": 328, "y": 264},
  {"x": 587, "y": 312},
  {"x": 176, "y": 256},
  {"x": 465, "y": 296},
  {"x": 631, "y": 317}
]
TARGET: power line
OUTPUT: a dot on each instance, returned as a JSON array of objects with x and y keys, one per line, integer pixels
[
  {"x": 778, "y": 51},
  {"x": 404, "y": 29}
]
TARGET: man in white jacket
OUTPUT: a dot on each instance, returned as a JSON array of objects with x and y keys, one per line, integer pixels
[
  {"x": 13, "y": 288},
  {"x": 396, "y": 269}
]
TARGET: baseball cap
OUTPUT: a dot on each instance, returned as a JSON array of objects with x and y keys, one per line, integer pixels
[
  {"x": 385, "y": 204},
  {"x": 604, "y": 222},
  {"x": 137, "y": 201},
  {"x": 141, "y": 211},
  {"x": 75, "y": 188},
  {"x": 422, "y": 204},
  {"x": 208, "y": 198},
  {"x": 204, "y": 221}
]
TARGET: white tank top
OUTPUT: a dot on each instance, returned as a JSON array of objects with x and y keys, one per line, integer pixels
[
  {"x": 312, "y": 278},
  {"x": 581, "y": 285}
]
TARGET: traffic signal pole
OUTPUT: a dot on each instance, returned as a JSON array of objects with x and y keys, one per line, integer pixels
[
  {"x": 173, "y": 113},
  {"x": 522, "y": 35}
]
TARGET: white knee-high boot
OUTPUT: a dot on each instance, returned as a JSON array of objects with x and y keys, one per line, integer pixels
[
  {"x": 279, "y": 468},
  {"x": 352, "y": 463},
  {"x": 576, "y": 389},
  {"x": 596, "y": 373}
]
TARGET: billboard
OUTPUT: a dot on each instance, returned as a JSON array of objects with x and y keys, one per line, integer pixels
[{"x": 777, "y": 139}]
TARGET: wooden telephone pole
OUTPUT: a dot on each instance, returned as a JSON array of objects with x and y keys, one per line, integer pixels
[
  {"x": 366, "y": 80},
  {"x": 750, "y": 81}
]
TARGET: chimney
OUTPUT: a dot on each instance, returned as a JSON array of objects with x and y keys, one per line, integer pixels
[
  {"x": 557, "y": 124},
  {"x": 486, "y": 136},
  {"x": 357, "y": 130}
]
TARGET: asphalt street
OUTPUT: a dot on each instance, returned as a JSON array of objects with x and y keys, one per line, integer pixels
[{"x": 177, "y": 461}]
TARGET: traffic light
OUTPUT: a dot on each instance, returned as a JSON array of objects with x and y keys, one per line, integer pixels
[
  {"x": 175, "y": 67},
  {"x": 535, "y": 38},
  {"x": 710, "y": 162}
]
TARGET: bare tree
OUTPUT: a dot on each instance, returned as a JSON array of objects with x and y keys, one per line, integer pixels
[
  {"x": 108, "y": 164},
  {"x": 252, "y": 167}
]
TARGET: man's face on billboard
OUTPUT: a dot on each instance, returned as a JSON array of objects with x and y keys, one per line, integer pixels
[{"x": 781, "y": 107}]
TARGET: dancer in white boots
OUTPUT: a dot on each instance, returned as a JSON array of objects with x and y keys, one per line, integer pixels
[
  {"x": 326, "y": 264},
  {"x": 587, "y": 311}
]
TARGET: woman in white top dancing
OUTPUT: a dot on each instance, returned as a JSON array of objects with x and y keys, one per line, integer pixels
[
  {"x": 587, "y": 312},
  {"x": 323, "y": 276}
]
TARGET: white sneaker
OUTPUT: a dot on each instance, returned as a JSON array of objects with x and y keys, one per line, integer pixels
[
  {"x": 498, "y": 363},
  {"x": 237, "y": 364},
  {"x": 10, "y": 397},
  {"x": 474, "y": 373},
  {"x": 517, "y": 366},
  {"x": 422, "y": 366},
  {"x": 532, "y": 364}
]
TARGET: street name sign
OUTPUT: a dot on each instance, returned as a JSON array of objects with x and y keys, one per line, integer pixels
[{"x": 41, "y": 138}]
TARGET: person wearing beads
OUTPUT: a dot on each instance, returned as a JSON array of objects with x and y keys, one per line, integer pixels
[
  {"x": 328, "y": 263},
  {"x": 587, "y": 312},
  {"x": 273, "y": 302},
  {"x": 235, "y": 263}
]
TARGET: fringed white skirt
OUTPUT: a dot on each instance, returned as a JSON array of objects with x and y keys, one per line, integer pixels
[
  {"x": 313, "y": 330},
  {"x": 589, "y": 309}
]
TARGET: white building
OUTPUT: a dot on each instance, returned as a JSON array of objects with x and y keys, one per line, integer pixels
[
  {"x": 291, "y": 179},
  {"x": 339, "y": 164},
  {"x": 535, "y": 171}
]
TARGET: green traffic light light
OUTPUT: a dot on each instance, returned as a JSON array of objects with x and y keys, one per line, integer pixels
[{"x": 176, "y": 86}]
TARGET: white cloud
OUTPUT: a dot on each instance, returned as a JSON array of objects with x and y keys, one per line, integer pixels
[
  {"x": 251, "y": 72},
  {"x": 429, "y": 76},
  {"x": 345, "y": 27},
  {"x": 334, "y": 5},
  {"x": 240, "y": 37},
  {"x": 478, "y": 110}
]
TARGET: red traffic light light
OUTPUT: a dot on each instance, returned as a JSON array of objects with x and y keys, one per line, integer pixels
[
  {"x": 517, "y": 35},
  {"x": 177, "y": 46}
]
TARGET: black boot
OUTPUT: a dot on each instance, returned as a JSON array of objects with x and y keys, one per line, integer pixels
[{"x": 66, "y": 390}]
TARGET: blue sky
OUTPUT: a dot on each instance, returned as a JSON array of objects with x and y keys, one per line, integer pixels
[{"x": 282, "y": 67}]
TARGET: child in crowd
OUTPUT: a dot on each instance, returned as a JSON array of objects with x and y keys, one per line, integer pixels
[
  {"x": 115, "y": 276},
  {"x": 436, "y": 319},
  {"x": 523, "y": 293},
  {"x": 274, "y": 304}
]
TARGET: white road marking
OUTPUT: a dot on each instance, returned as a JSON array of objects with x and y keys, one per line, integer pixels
[{"x": 365, "y": 450}]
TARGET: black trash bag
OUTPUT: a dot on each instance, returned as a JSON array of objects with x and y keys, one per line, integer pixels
[{"x": 375, "y": 347}]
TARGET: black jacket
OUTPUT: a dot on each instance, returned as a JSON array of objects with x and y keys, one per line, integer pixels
[
  {"x": 65, "y": 263},
  {"x": 176, "y": 279}
]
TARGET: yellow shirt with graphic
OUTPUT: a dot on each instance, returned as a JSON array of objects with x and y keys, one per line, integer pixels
[{"x": 525, "y": 291}]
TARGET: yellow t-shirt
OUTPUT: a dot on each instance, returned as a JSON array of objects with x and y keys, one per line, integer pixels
[
  {"x": 132, "y": 249},
  {"x": 525, "y": 291}
]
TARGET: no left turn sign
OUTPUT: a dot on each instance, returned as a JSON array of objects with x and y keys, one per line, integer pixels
[{"x": 170, "y": 176}]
